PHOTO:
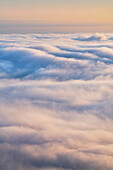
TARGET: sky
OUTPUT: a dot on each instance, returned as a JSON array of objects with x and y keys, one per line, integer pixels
[{"x": 56, "y": 15}]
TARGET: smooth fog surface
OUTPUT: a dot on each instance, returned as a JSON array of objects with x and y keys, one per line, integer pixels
[{"x": 56, "y": 102}]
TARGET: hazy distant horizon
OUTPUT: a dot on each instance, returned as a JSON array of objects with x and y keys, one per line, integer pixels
[
  {"x": 27, "y": 16},
  {"x": 10, "y": 27}
]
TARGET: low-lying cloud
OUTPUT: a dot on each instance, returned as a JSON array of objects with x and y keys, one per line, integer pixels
[
  {"x": 56, "y": 102},
  {"x": 95, "y": 37}
]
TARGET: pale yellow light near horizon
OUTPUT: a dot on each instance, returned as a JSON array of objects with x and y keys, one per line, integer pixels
[{"x": 80, "y": 14}]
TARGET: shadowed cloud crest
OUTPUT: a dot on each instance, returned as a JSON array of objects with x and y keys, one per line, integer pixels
[
  {"x": 95, "y": 37},
  {"x": 56, "y": 102}
]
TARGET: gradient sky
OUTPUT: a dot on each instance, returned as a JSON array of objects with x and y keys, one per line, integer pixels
[{"x": 89, "y": 14}]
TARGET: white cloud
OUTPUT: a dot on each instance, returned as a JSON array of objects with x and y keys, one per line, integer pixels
[
  {"x": 95, "y": 37},
  {"x": 56, "y": 102}
]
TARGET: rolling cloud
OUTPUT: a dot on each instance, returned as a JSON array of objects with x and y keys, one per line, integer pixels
[
  {"x": 95, "y": 37},
  {"x": 56, "y": 102}
]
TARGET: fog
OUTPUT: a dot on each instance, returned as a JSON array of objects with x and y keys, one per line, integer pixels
[{"x": 56, "y": 101}]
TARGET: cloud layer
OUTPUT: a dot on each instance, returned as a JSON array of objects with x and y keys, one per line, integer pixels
[{"x": 56, "y": 102}]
